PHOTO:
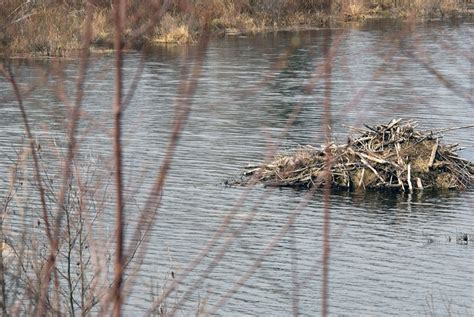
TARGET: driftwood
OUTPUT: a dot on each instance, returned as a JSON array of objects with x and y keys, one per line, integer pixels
[{"x": 389, "y": 156}]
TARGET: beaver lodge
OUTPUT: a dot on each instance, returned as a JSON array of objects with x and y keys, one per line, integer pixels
[{"x": 393, "y": 156}]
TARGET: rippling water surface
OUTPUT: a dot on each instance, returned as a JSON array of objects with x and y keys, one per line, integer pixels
[{"x": 390, "y": 254}]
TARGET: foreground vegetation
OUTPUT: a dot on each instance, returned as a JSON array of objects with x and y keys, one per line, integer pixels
[
  {"x": 53, "y": 28},
  {"x": 75, "y": 233}
]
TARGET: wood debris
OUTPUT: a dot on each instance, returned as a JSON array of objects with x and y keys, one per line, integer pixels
[{"x": 393, "y": 156}]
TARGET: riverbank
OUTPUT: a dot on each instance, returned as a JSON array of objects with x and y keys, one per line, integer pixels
[{"x": 41, "y": 29}]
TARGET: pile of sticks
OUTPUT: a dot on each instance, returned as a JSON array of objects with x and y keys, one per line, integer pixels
[{"x": 393, "y": 156}]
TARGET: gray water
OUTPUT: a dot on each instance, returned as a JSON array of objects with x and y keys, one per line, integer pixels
[{"x": 390, "y": 254}]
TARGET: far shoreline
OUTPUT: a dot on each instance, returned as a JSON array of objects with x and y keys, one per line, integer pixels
[{"x": 28, "y": 41}]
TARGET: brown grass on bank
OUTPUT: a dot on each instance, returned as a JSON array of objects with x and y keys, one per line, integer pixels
[
  {"x": 422, "y": 9},
  {"x": 101, "y": 27},
  {"x": 44, "y": 31},
  {"x": 171, "y": 30},
  {"x": 53, "y": 29},
  {"x": 48, "y": 30}
]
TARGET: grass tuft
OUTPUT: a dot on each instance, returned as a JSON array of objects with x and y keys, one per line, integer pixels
[{"x": 172, "y": 30}]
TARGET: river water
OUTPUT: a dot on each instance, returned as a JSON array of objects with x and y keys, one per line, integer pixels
[{"x": 390, "y": 254}]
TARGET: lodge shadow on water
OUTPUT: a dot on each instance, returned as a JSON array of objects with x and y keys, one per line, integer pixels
[{"x": 393, "y": 156}]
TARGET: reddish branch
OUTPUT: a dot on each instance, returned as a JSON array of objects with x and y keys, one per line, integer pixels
[
  {"x": 327, "y": 187},
  {"x": 119, "y": 17},
  {"x": 39, "y": 182}
]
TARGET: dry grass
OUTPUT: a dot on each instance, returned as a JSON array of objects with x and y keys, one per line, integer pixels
[
  {"x": 353, "y": 9},
  {"x": 421, "y": 8},
  {"x": 40, "y": 28},
  {"x": 101, "y": 27},
  {"x": 46, "y": 31},
  {"x": 361, "y": 9},
  {"x": 231, "y": 16},
  {"x": 172, "y": 30},
  {"x": 50, "y": 30},
  {"x": 435, "y": 7}
]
